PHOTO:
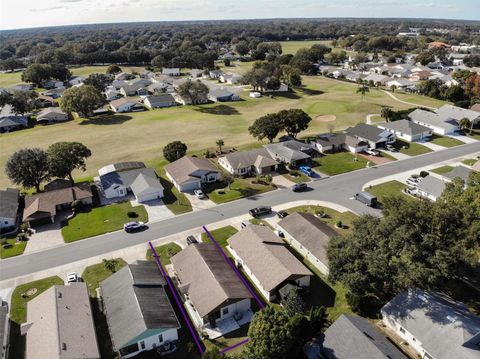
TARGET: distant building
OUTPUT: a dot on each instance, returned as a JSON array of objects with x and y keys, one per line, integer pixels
[
  {"x": 190, "y": 173},
  {"x": 407, "y": 130},
  {"x": 171, "y": 71}
]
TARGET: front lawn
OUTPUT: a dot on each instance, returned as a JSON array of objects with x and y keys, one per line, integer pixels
[
  {"x": 175, "y": 200},
  {"x": 165, "y": 252},
  {"x": 331, "y": 216},
  {"x": 341, "y": 162},
  {"x": 101, "y": 220},
  {"x": 387, "y": 189},
  {"x": 95, "y": 274},
  {"x": 221, "y": 235},
  {"x": 442, "y": 170},
  {"x": 220, "y": 192},
  {"x": 411, "y": 148},
  {"x": 470, "y": 161},
  {"x": 17, "y": 249},
  {"x": 445, "y": 141},
  {"x": 18, "y": 307}
]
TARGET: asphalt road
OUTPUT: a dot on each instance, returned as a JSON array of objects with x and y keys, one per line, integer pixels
[{"x": 338, "y": 189}]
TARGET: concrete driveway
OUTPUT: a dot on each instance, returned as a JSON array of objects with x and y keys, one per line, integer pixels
[
  {"x": 280, "y": 181},
  {"x": 432, "y": 146},
  {"x": 46, "y": 237},
  {"x": 375, "y": 160},
  {"x": 463, "y": 138},
  {"x": 156, "y": 209},
  {"x": 197, "y": 203},
  {"x": 397, "y": 155}
]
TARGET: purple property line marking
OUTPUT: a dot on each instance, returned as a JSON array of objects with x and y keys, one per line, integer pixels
[
  {"x": 244, "y": 341},
  {"x": 177, "y": 300}
]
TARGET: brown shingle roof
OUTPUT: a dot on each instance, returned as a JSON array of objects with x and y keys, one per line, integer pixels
[
  {"x": 182, "y": 169},
  {"x": 267, "y": 256}
]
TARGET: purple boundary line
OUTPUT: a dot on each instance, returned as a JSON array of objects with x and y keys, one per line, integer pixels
[
  {"x": 177, "y": 300},
  {"x": 244, "y": 341}
]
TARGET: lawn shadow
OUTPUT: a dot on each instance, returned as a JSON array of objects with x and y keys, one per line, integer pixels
[
  {"x": 17, "y": 342},
  {"x": 101, "y": 328},
  {"x": 225, "y": 110},
  {"x": 106, "y": 120},
  {"x": 309, "y": 91},
  {"x": 289, "y": 95},
  {"x": 312, "y": 299}
]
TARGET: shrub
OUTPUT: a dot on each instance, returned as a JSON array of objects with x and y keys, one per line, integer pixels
[
  {"x": 423, "y": 174},
  {"x": 132, "y": 214},
  {"x": 339, "y": 224}
]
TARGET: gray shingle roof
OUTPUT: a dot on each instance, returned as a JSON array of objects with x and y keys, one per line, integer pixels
[
  {"x": 458, "y": 113},
  {"x": 432, "y": 186},
  {"x": 9, "y": 121},
  {"x": 159, "y": 100},
  {"x": 146, "y": 183},
  {"x": 288, "y": 151},
  {"x": 249, "y": 158},
  {"x": 440, "y": 324},
  {"x": 182, "y": 169},
  {"x": 364, "y": 131},
  {"x": 405, "y": 126},
  {"x": 351, "y": 336},
  {"x": 433, "y": 119},
  {"x": 148, "y": 179},
  {"x": 9, "y": 202},
  {"x": 135, "y": 301},
  {"x": 219, "y": 93},
  {"x": 459, "y": 171}
]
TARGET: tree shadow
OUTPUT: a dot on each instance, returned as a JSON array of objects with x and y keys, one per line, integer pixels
[
  {"x": 106, "y": 120},
  {"x": 288, "y": 95},
  {"x": 218, "y": 110},
  {"x": 309, "y": 91}
]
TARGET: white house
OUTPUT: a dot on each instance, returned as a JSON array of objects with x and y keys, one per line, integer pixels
[
  {"x": 257, "y": 161},
  {"x": 171, "y": 71},
  {"x": 407, "y": 130},
  {"x": 8, "y": 207},
  {"x": 374, "y": 136},
  {"x": 430, "y": 188},
  {"x": 190, "y": 173},
  {"x": 51, "y": 115},
  {"x": 76, "y": 80},
  {"x": 438, "y": 124},
  {"x": 126, "y": 105}
]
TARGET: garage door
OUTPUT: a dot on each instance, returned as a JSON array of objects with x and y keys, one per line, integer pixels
[
  {"x": 148, "y": 197},
  {"x": 188, "y": 187}
]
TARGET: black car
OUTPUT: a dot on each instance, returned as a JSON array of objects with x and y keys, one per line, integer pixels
[
  {"x": 133, "y": 226},
  {"x": 191, "y": 240},
  {"x": 260, "y": 211},
  {"x": 282, "y": 214},
  {"x": 298, "y": 187}
]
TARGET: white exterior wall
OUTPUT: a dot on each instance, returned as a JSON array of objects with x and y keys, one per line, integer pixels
[
  {"x": 120, "y": 191},
  {"x": 306, "y": 253},
  {"x": 238, "y": 171},
  {"x": 154, "y": 342},
  {"x": 241, "y": 307},
  {"x": 149, "y": 196},
  {"x": 7, "y": 222},
  {"x": 436, "y": 129},
  {"x": 356, "y": 149}
]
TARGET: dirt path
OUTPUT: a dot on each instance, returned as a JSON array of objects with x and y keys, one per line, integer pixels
[{"x": 407, "y": 103}]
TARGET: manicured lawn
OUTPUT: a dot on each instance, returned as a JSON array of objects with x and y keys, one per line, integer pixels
[
  {"x": 221, "y": 235},
  {"x": 474, "y": 134},
  {"x": 95, "y": 274},
  {"x": 165, "y": 252},
  {"x": 17, "y": 249},
  {"x": 291, "y": 47},
  {"x": 300, "y": 178},
  {"x": 441, "y": 170},
  {"x": 18, "y": 308},
  {"x": 331, "y": 218},
  {"x": 101, "y": 220},
  {"x": 411, "y": 148},
  {"x": 228, "y": 340},
  {"x": 420, "y": 100},
  {"x": 470, "y": 161},
  {"x": 341, "y": 162},
  {"x": 175, "y": 200},
  {"x": 387, "y": 189},
  {"x": 445, "y": 141},
  {"x": 239, "y": 188}
]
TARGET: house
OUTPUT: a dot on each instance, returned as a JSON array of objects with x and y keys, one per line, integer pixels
[
  {"x": 123, "y": 76},
  {"x": 291, "y": 152},
  {"x": 438, "y": 44},
  {"x": 282, "y": 88},
  {"x": 4, "y": 330},
  {"x": 159, "y": 101},
  {"x": 458, "y": 113},
  {"x": 407, "y": 130},
  {"x": 190, "y": 173},
  {"x": 139, "y": 314},
  {"x": 133, "y": 90},
  {"x": 126, "y": 105},
  {"x": 257, "y": 161},
  {"x": 374, "y": 136},
  {"x": 42, "y": 208},
  {"x": 60, "y": 324},
  {"x": 54, "y": 93},
  {"x": 461, "y": 172},
  {"x": 12, "y": 123},
  {"x": 171, "y": 71},
  {"x": 111, "y": 94},
  {"x": 21, "y": 87},
  {"x": 118, "y": 84},
  {"x": 51, "y": 115},
  {"x": 119, "y": 179},
  {"x": 179, "y": 82},
  {"x": 195, "y": 73},
  {"x": 76, "y": 80},
  {"x": 160, "y": 87},
  {"x": 377, "y": 79},
  {"x": 438, "y": 124},
  {"x": 334, "y": 142},
  {"x": 430, "y": 188},
  {"x": 214, "y": 296},
  {"x": 222, "y": 95},
  {"x": 401, "y": 83},
  {"x": 8, "y": 208},
  {"x": 215, "y": 74},
  {"x": 230, "y": 78},
  {"x": 51, "y": 84},
  {"x": 45, "y": 101},
  {"x": 146, "y": 74},
  {"x": 266, "y": 260},
  {"x": 309, "y": 236},
  {"x": 436, "y": 326},
  {"x": 420, "y": 75},
  {"x": 351, "y": 336}
]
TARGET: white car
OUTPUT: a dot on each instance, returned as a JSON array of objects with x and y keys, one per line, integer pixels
[
  {"x": 199, "y": 193},
  {"x": 372, "y": 152},
  {"x": 72, "y": 277}
]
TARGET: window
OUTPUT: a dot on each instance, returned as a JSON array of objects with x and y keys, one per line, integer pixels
[
  {"x": 6, "y": 222},
  {"x": 160, "y": 338},
  {"x": 142, "y": 345},
  {"x": 225, "y": 311},
  {"x": 402, "y": 330}
]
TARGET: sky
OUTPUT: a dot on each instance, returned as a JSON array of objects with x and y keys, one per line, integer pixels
[{"x": 16, "y": 14}]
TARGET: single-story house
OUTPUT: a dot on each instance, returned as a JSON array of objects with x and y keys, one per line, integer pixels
[
  {"x": 118, "y": 179},
  {"x": 51, "y": 115},
  {"x": 51, "y": 84},
  {"x": 195, "y": 73},
  {"x": 266, "y": 260},
  {"x": 9, "y": 208},
  {"x": 60, "y": 324},
  {"x": 215, "y": 74},
  {"x": 351, "y": 336},
  {"x": 171, "y": 71},
  {"x": 126, "y": 105},
  {"x": 12, "y": 123},
  {"x": 401, "y": 83},
  {"x": 21, "y": 87},
  {"x": 438, "y": 124},
  {"x": 309, "y": 236},
  {"x": 430, "y": 188},
  {"x": 291, "y": 152},
  {"x": 160, "y": 87},
  {"x": 111, "y": 94},
  {"x": 45, "y": 101},
  {"x": 147, "y": 74},
  {"x": 139, "y": 314},
  {"x": 458, "y": 113},
  {"x": 420, "y": 75},
  {"x": 436, "y": 326},
  {"x": 374, "y": 136},
  {"x": 76, "y": 80},
  {"x": 230, "y": 78},
  {"x": 54, "y": 93},
  {"x": 118, "y": 84},
  {"x": 283, "y": 88},
  {"x": 212, "y": 291},
  {"x": 334, "y": 142},
  {"x": 140, "y": 82},
  {"x": 222, "y": 95},
  {"x": 257, "y": 161},
  {"x": 123, "y": 76},
  {"x": 461, "y": 172},
  {"x": 407, "y": 130},
  {"x": 377, "y": 79},
  {"x": 41, "y": 208},
  {"x": 134, "y": 90},
  {"x": 190, "y": 173},
  {"x": 159, "y": 101}
]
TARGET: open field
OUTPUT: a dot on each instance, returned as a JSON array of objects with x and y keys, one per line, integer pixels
[
  {"x": 291, "y": 47},
  {"x": 141, "y": 136}
]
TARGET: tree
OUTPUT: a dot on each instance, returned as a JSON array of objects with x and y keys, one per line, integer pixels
[
  {"x": 241, "y": 48},
  {"x": 22, "y": 101},
  {"x": 220, "y": 143},
  {"x": 113, "y": 69},
  {"x": 213, "y": 353},
  {"x": 318, "y": 51},
  {"x": 36, "y": 74},
  {"x": 318, "y": 318},
  {"x": 425, "y": 58},
  {"x": 393, "y": 88},
  {"x": 267, "y": 126},
  {"x": 64, "y": 157},
  {"x": 28, "y": 167},
  {"x": 363, "y": 90},
  {"x": 159, "y": 61},
  {"x": 294, "y": 121},
  {"x": 99, "y": 81},
  {"x": 82, "y": 100},
  {"x": 257, "y": 77},
  {"x": 293, "y": 302},
  {"x": 465, "y": 123},
  {"x": 59, "y": 72},
  {"x": 110, "y": 265},
  {"x": 195, "y": 91},
  {"x": 174, "y": 150},
  {"x": 226, "y": 62},
  {"x": 387, "y": 113},
  {"x": 290, "y": 75}
]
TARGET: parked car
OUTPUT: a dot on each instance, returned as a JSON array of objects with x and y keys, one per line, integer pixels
[
  {"x": 282, "y": 214},
  {"x": 191, "y": 240},
  {"x": 306, "y": 170},
  {"x": 133, "y": 226},
  {"x": 298, "y": 187},
  {"x": 391, "y": 148},
  {"x": 279, "y": 233},
  {"x": 366, "y": 198},
  {"x": 372, "y": 152},
  {"x": 260, "y": 211},
  {"x": 413, "y": 181},
  {"x": 72, "y": 277},
  {"x": 199, "y": 193}
]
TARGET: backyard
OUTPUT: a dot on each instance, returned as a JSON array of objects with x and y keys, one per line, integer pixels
[
  {"x": 101, "y": 220},
  {"x": 340, "y": 162}
]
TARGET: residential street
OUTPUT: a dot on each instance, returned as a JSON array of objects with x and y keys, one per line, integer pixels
[{"x": 338, "y": 189}]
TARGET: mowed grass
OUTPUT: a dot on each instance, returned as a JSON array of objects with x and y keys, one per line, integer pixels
[
  {"x": 164, "y": 252},
  {"x": 101, "y": 220},
  {"x": 446, "y": 141},
  {"x": 240, "y": 188},
  {"x": 141, "y": 136},
  {"x": 221, "y": 235},
  {"x": 341, "y": 162},
  {"x": 443, "y": 169},
  {"x": 411, "y": 148},
  {"x": 17, "y": 249},
  {"x": 388, "y": 189},
  {"x": 95, "y": 274},
  {"x": 331, "y": 218},
  {"x": 18, "y": 307},
  {"x": 291, "y": 47},
  {"x": 470, "y": 161}
]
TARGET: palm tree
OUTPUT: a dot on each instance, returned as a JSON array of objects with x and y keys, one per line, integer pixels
[
  {"x": 110, "y": 264},
  {"x": 465, "y": 123},
  {"x": 220, "y": 143},
  {"x": 363, "y": 90},
  {"x": 393, "y": 88},
  {"x": 386, "y": 113}
]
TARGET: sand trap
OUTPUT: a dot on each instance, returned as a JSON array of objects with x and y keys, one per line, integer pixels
[{"x": 326, "y": 118}]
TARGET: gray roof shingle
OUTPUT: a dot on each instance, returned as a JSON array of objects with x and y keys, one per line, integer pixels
[
  {"x": 405, "y": 126},
  {"x": 9, "y": 202}
]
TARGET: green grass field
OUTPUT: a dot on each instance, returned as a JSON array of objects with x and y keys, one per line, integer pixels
[
  {"x": 221, "y": 235},
  {"x": 165, "y": 252},
  {"x": 95, "y": 274},
  {"x": 388, "y": 189},
  {"x": 411, "y": 148},
  {"x": 239, "y": 188},
  {"x": 101, "y": 220},
  {"x": 470, "y": 161},
  {"x": 17, "y": 249},
  {"x": 446, "y": 141},
  {"x": 291, "y": 47},
  {"x": 331, "y": 218},
  {"x": 340, "y": 162},
  {"x": 442, "y": 170}
]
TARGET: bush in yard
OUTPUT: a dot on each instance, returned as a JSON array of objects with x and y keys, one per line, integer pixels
[
  {"x": 339, "y": 224},
  {"x": 132, "y": 214},
  {"x": 110, "y": 264},
  {"x": 424, "y": 174},
  {"x": 174, "y": 150}
]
